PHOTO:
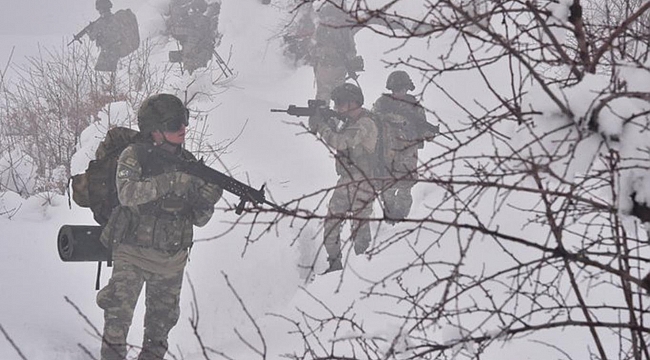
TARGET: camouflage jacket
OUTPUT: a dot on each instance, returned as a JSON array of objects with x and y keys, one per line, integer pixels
[
  {"x": 405, "y": 120},
  {"x": 103, "y": 31},
  {"x": 148, "y": 218},
  {"x": 355, "y": 144}
]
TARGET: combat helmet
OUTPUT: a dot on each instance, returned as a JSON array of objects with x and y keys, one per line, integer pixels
[
  {"x": 347, "y": 92},
  {"x": 103, "y": 5},
  {"x": 164, "y": 112},
  {"x": 399, "y": 80},
  {"x": 199, "y": 6}
]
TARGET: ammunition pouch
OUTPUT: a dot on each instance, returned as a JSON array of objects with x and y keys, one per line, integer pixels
[
  {"x": 168, "y": 208},
  {"x": 119, "y": 226}
]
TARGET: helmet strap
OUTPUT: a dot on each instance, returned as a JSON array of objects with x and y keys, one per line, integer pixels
[{"x": 162, "y": 141}]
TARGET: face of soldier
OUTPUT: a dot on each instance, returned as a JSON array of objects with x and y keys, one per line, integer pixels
[
  {"x": 346, "y": 107},
  {"x": 176, "y": 137}
]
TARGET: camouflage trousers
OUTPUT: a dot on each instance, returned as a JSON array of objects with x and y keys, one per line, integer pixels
[
  {"x": 396, "y": 194},
  {"x": 354, "y": 200},
  {"x": 119, "y": 298},
  {"x": 107, "y": 61},
  {"x": 327, "y": 78}
]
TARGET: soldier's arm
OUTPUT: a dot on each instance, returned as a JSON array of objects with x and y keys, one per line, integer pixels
[
  {"x": 364, "y": 133},
  {"x": 425, "y": 128},
  {"x": 132, "y": 188}
]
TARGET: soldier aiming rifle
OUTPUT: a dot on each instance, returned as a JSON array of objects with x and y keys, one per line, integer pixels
[
  {"x": 355, "y": 142},
  {"x": 314, "y": 106},
  {"x": 80, "y": 34},
  {"x": 117, "y": 35},
  {"x": 315, "y": 109}
]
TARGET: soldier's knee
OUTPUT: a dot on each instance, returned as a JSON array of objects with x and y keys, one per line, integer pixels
[{"x": 106, "y": 298}]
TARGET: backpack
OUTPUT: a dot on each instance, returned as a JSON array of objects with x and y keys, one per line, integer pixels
[
  {"x": 96, "y": 188},
  {"x": 128, "y": 34}
]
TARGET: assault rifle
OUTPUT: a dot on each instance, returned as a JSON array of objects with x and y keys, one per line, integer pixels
[
  {"x": 81, "y": 33},
  {"x": 227, "y": 183},
  {"x": 314, "y": 107}
]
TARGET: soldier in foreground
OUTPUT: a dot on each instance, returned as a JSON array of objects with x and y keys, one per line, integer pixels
[
  {"x": 150, "y": 233},
  {"x": 355, "y": 144},
  {"x": 405, "y": 128}
]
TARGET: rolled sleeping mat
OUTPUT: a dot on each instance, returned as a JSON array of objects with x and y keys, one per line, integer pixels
[{"x": 81, "y": 243}]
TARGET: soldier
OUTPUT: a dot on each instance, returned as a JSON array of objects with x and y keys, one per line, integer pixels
[
  {"x": 334, "y": 52},
  {"x": 102, "y": 32},
  {"x": 354, "y": 194},
  {"x": 299, "y": 33},
  {"x": 117, "y": 35},
  {"x": 195, "y": 31},
  {"x": 150, "y": 233},
  {"x": 404, "y": 128}
]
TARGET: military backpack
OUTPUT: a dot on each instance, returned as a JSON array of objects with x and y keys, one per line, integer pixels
[
  {"x": 128, "y": 37},
  {"x": 96, "y": 188}
]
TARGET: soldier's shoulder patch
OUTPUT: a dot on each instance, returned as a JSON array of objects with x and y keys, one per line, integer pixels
[{"x": 124, "y": 173}]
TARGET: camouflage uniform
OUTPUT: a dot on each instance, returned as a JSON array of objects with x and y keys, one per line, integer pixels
[
  {"x": 150, "y": 234},
  {"x": 354, "y": 194},
  {"x": 404, "y": 129},
  {"x": 333, "y": 47}
]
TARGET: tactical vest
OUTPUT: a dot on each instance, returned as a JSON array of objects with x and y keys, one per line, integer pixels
[
  {"x": 402, "y": 117},
  {"x": 358, "y": 162},
  {"x": 166, "y": 223}
]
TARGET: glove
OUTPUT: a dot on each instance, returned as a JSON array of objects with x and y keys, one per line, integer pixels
[
  {"x": 205, "y": 196},
  {"x": 210, "y": 193},
  {"x": 315, "y": 122}
]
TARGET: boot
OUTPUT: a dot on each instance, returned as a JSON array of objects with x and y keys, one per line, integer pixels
[{"x": 335, "y": 265}]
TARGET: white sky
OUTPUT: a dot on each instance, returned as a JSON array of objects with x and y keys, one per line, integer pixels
[{"x": 26, "y": 23}]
